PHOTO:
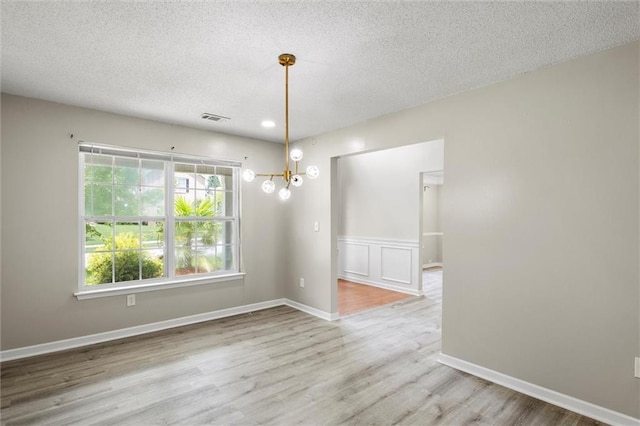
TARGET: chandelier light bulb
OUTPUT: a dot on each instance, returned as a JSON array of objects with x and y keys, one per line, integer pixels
[
  {"x": 296, "y": 180},
  {"x": 248, "y": 175},
  {"x": 268, "y": 186},
  {"x": 312, "y": 172},
  {"x": 284, "y": 194},
  {"x": 296, "y": 154}
]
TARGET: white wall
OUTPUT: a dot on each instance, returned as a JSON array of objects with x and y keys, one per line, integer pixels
[
  {"x": 541, "y": 219},
  {"x": 40, "y": 223}
]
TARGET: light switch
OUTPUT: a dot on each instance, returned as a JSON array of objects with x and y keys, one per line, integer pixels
[{"x": 316, "y": 226}]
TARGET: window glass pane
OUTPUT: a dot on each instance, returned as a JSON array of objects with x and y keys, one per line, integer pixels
[
  {"x": 185, "y": 246},
  {"x": 183, "y": 205},
  {"x": 227, "y": 257},
  {"x": 152, "y": 264},
  {"x": 88, "y": 209},
  {"x": 151, "y": 201},
  {"x": 125, "y": 201},
  {"x": 227, "y": 238},
  {"x": 205, "y": 204},
  {"x": 99, "y": 268},
  {"x": 206, "y": 178},
  {"x": 182, "y": 168},
  {"x": 102, "y": 174},
  {"x": 184, "y": 178},
  {"x": 207, "y": 259},
  {"x": 98, "y": 200},
  {"x": 152, "y": 173},
  {"x": 126, "y": 171},
  {"x": 98, "y": 236},
  {"x": 127, "y": 265},
  {"x": 127, "y": 235},
  {"x": 226, "y": 203},
  {"x": 153, "y": 234},
  {"x": 226, "y": 177}
]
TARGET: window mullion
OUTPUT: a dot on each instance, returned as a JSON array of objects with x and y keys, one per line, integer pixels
[
  {"x": 169, "y": 233},
  {"x": 236, "y": 221},
  {"x": 83, "y": 223}
]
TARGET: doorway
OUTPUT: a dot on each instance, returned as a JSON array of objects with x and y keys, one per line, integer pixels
[
  {"x": 375, "y": 205},
  {"x": 431, "y": 233}
]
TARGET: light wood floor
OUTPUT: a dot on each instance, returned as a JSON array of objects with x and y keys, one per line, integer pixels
[
  {"x": 353, "y": 297},
  {"x": 275, "y": 367}
]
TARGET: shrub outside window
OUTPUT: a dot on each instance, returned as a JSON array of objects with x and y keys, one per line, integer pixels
[{"x": 150, "y": 217}]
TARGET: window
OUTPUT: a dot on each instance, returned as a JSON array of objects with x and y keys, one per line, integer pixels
[{"x": 155, "y": 218}]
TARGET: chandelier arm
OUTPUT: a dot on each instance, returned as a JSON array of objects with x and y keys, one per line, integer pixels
[{"x": 271, "y": 175}]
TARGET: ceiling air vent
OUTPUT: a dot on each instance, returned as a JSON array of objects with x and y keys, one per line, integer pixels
[{"x": 213, "y": 117}]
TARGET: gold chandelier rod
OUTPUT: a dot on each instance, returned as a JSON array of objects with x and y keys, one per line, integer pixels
[
  {"x": 286, "y": 60},
  {"x": 290, "y": 177}
]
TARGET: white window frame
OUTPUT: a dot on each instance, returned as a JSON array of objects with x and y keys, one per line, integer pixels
[{"x": 170, "y": 280}]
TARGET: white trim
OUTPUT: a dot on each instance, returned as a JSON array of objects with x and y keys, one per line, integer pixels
[
  {"x": 556, "y": 398},
  {"x": 432, "y": 234},
  {"x": 392, "y": 287},
  {"x": 146, "y": 154},
  {"x": 379, "y": 241},
  {"x": 76, "y": 342},
  {"x": 91, "y": 339},
  {"x": 362, "y": 274},
  {"x": 142, "y": 288},
  {"x": 366, "y": 273},
  {"x": 382, "y": 273},
  {"x": 312, "y": 311}
]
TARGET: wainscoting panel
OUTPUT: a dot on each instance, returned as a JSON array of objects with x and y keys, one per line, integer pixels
[
  {"x": 396, "y": 264},
  {"x": 356, "y": 259},
  {"x": 390, "y": 264}
]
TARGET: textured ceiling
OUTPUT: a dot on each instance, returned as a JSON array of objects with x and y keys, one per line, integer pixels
[{"x": 172, "y": 61}]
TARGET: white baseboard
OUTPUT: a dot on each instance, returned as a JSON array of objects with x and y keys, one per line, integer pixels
[
  {"x": 386, "y": 286},
  {"x": 76, "y": 342},
  {"x": 313, "y": 311},
  {"x": 556, "y": 398}
]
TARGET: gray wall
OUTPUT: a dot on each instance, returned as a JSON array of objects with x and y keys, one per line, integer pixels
[
  {"x": 379, "y": 191},
  {"x": 540, "y": 217},
  {"x": 431, "y": 221},
  {"x": 40, "y": 223}
]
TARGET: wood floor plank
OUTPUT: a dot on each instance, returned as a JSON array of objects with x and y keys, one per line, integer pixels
[
  {"x": 353, "y": 297},
  {"x": 273, "y": 367}
]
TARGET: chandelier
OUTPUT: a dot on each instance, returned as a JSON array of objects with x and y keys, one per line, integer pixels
[{"x": 290, "y": 177}]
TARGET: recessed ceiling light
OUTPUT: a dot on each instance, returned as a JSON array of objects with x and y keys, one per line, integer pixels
[{"x": 268, "y": 124}]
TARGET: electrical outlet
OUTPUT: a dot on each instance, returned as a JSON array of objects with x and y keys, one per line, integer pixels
[
  {"x": 301, "y": 282},
  {"x": 638, "y": 367},
  {"x": 131, "y": 300}
]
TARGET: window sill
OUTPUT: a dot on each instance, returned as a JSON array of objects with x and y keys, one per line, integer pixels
[{"x": 141, "y": 288}]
